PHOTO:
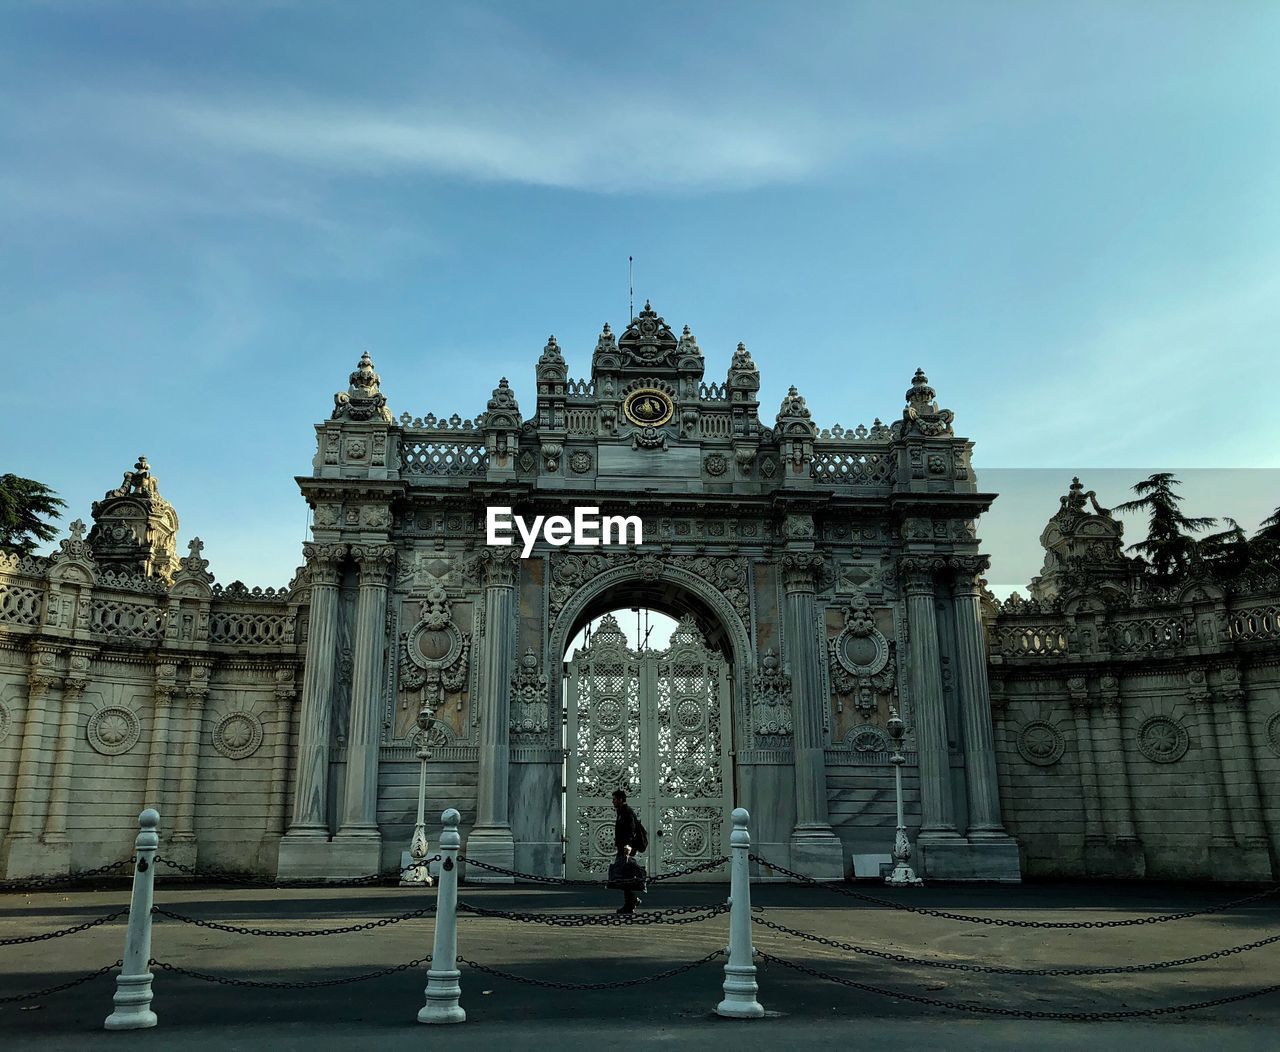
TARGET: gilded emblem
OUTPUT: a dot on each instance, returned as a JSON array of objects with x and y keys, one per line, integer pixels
[{"x": 648, "y": 407}]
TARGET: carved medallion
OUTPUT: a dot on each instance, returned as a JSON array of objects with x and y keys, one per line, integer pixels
[
  {"x": 237, "y": 735},
  {"x": 580, "y": 462},
  {"x": 113, "y": 730},
  {"x": 868, "y": 738},
  {"x": 1040, "y": 743},
  {"x": 648, "y": 407},
  {"x": 716, "y": 464},
  {"x": 1272, "y": 733},
  {"x": 1162, "y": 740}
]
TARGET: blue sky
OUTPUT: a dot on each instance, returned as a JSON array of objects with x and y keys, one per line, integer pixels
[{"x": 1066, "y": 213}]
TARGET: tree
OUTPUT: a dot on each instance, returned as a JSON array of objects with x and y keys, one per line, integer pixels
[
  {"x": 24, "y": 505},
  {"x": 1228, "y": 553},
  {"x": 1169, "y": 548},
  {"x": 1264, "y": 546}
]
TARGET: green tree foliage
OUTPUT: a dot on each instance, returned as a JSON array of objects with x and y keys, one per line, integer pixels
[
  {"x": 24, "y": 505},
  {"x": 1170, "y": 549}
]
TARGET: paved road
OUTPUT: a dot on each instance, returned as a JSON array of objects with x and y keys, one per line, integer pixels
[{"x": 673, "y": 1013}]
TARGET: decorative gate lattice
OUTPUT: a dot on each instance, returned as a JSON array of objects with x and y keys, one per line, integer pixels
[{"x": 656, "y": 724}]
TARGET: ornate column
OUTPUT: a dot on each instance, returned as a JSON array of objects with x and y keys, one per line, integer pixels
[
  {"x": 55, "y": 826},
  {"x": 360, "y": 803},
  {"x": 23, "y": 855},
  {"x": 925, "y": 667},
  {"x": 1248, "y": 800},
  {"x": 491, "y": 840},
  {"x": 182, "y": 845},
  {"x": 157, "y": 761},
  {"x": 1210, "y": 765},
  {"x": 1123, "y": 856},
  {"x": 1094, "y": 834},
  {"x": 975, "y": 699},
  {"x": 310, "y": 825},
  {"x": 277, "y": 809},
  {"x": 815, "y": 849}
]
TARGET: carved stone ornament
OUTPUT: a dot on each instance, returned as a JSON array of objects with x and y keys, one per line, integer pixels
[
  {"x": 529, "y": 697},
  {"x": 861, "y": 658},
  {"x": 771, "y": 699},
  {"x": 238, "y": 735},
  {"x": 867, "y": 738},
  {"x": 1271, "y": 735},
  {"x": 434, "y": 734},
  {"x": 716, "y": 464},
  {"x": 113, "y": 730},
  {"x": 434, "y": 652},
  {"x": 648, "y": 407},
  {"x": 6, "y": 721},
  {"x": 363, "y": 399},
  {"x": 1163, "y": 740},
  {"x": 580, "y": 462},
  {"x": 1040, "y": 743}
]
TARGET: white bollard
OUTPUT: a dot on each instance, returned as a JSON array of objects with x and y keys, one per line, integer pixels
[
  {"x": 443, "y": 988},
  {"x": 133, "y": 984},
  {"x": 740, "y": 987}
]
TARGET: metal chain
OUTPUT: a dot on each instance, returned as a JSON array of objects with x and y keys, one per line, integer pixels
[
  {"x": 568, "y": 882},
  {"x": 1019, "y": 1013},
  {"x": 992, "y": 969},
  {"x": 311, "y": 984},
  {"x": 22, "y": 940},
  {"x": 276, "y": 933},
  {"x": 1008, "y": 922},
  {"x": 619, "y": 984},
  {"x": 39, "y": 883},
  {"x": 685, "y": 915},
  {"x": 224, "y": 876},
  {"x": 36, "y": 994}
]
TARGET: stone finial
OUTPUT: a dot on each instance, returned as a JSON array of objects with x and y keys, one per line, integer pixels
[
  {"x": 606, "y": 343},
  {"x": 135, "y": 530},
  {"x": 551, "y": 353},
  {"x": 793, "y": 407},
  {"x": 688, "y": 344},
  {"x": 504, "y": 399},
  {"x": 922, "y": 414},
  {"x": 921, "y": 395},
  {"x": 363, "y": 399},
  {"x": 1083, "y": 549}
]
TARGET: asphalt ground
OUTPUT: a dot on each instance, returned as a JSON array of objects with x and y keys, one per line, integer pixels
[{"x": 674, "y": 1012}]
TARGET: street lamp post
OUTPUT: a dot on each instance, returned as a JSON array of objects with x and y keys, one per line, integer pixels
[
  {"x": 902, "y": 875},
  {"x": 417, "y": 873}
]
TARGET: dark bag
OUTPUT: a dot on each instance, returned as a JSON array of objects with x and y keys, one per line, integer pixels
[
  {"x": 627, "y": 876},
  {"x": 640, "y": 841}
]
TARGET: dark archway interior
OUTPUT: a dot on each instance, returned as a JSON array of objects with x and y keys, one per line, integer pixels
[{"x": 664, "y": 597}]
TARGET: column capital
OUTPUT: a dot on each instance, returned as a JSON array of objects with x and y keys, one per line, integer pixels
[
  {"x": 286, "y": 686},
  {"x": 918, "y": 572},
  {"x": 967, "y": 571},
  {"x": 499, "y": 567},
  {"x": 324, "y": 562},
  {"x": 197, "y": 688},
  {"x": 801, "y": 571},
  {"x": 374, "y": 560}
]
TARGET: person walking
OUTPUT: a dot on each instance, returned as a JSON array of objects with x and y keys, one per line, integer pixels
[{"x": 629, "y": 839}]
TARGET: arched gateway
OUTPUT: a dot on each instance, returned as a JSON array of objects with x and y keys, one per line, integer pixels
[{"x": 821, "y": 577}]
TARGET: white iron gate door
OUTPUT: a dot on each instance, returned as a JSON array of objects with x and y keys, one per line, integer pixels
[{"x": 656, "y": 724}]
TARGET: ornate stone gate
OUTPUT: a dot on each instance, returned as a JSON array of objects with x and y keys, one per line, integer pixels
[
  {"x": 834, "y": 572},
  {"x": 656, "y": 725}
]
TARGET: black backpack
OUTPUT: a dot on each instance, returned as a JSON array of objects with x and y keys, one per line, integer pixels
[{"x": 640, "y": 838}]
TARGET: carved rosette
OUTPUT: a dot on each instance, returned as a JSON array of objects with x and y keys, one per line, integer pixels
[
  {"x": 1162, "y": 739},
  {"x": 771, "y": 701},
  {"x": 529, "y": 698},
  {"x": 113, "y": 730},
  {"x": 1040, "y": 743},
  {"x": 861, "y": 659},
  {"x": 238, "y": 735}
]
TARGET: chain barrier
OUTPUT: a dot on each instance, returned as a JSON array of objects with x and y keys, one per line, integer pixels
[
  {"x": 40, "y": 883},
  {"x": 1020, "y": 1013},
  {"x": 23, "y": 940},
  {"x": 1008, "y": 922},
  {"x": 277, "y": 934},
  {"x": 675, "y": 915},
  {"x": 619, "y": 984},
  {"x": 36, "y": 994},
  {"x": 226, "y": 876},
  {"x": 574, "y": 883},
  {"x": 302, "y": 984},
  {"x": 994, "y": 969}
]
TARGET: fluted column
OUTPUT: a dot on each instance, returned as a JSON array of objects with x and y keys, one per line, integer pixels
[
  {"x": 1248, "y": 800},
  {"x": 801, "y": 627},
  {"x": 277, "y": 810},
  {"x": 1210, "y": 763},
  {"x": 975, "y": 699},
  {"x": 197, "y": 694},
  {"x": 491, "y": 840},
  {"x": 360, "y": 801},
  {"x": 1117, "y": 792},
  {"x": 55, "y": 826},
  {"x": 310, "y": 817},
  {"x": 158, "y": 758},
  {"x": 925, "y": 665},
  {"x": 1094, "y": 833},
  {"x": 28, "y": 810}
]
